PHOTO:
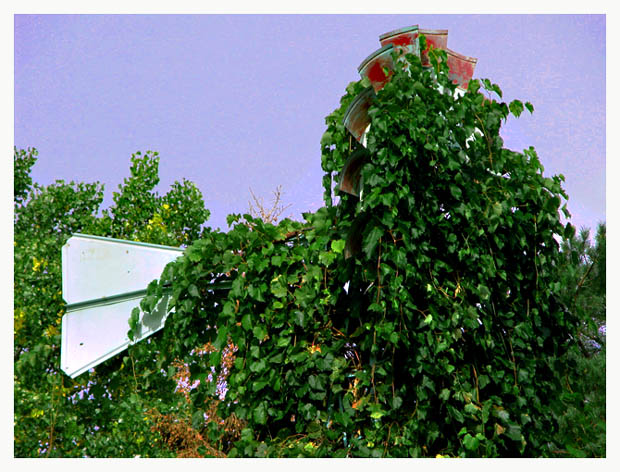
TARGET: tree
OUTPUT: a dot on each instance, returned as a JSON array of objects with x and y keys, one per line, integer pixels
[
  {"x": 54, "y": 416},
  {"x": 258, "y": 209},
  {"x": 583, "y": 285},
  {"x": 443, "y": 333},
  {"x": 583, "y": 402}
]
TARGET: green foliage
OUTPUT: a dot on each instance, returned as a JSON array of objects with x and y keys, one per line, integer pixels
[
  {"x": 140, "y": 214},
  {"x": 581, "y": 408},
  {"x": 582, "y": 286},
  {"x": 441, "y": 343},
  {"x": 430, "y": 317},
  {"x": 22, "y": 164}
]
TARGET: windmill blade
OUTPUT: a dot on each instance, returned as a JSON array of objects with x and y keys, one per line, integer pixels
[
  {"x": 95, "y": 267},
  {"x": 95, "y": 331},
  {"x": 103, "y": 280}
]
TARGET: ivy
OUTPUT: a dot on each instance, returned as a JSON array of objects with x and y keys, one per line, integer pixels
[
  {"x": 424, "y": 318},
  {"x": 433, "y": 336}
]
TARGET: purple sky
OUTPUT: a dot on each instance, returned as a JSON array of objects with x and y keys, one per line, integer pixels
[{"x": 238, "y": 101}]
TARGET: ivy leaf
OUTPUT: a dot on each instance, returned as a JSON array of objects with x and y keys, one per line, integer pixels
[
  {"x": 299, "y": 318},
  {"x": 338, "y": 245},
  {"x": 456, "y": 191},
  {"x": 514, "y": 433},
  {"x": 470, "y": 442},
  {"x": 497, "y": 90},
  {"x": 315, "y": 383},
  {"x": 516, "y": 107},
  {"x": 376, "y": 412},
  {"x": 326, "y": 139},
  {"x": 327, "y": 258},
  {"x": 258, "y": 366},
  {"x": 278, "y": 288},
  {"x": 259, "y": 331},
  {"x": 471, "y": 409},
  {"x": 371, "y": 239},
  {"x": 194, "y": 256},
  {"x": 260, "y": 413},
  {"x": 134, "y": 324},
  {"x": 397, "y": 402},
  {"x": 484, "y": 292},
  {"x": 502, "y": 414}
]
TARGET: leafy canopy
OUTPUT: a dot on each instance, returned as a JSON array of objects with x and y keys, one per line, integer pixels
[
  {"x": 426, "y": 318},
  {"x": 441, "y": 335}
]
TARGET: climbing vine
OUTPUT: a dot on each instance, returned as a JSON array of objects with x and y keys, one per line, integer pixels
[{"x": 421, "y": 319}]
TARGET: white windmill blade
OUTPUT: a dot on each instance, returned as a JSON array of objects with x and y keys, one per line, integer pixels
[
  {"x": 95, "y": 267},
  {"x": 103, "y": 280},
  {"x": 95, "y": 331}
]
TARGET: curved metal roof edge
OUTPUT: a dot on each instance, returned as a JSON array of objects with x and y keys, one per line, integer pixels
[
  {"x": 359, "y": 98},
  {"x": 379, "y": 51},
  {"x": 405, "y": 29},
  {"x": 462, "y": 56}
]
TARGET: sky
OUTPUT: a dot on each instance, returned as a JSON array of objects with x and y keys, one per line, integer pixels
[{"x": 233, "y": 102}]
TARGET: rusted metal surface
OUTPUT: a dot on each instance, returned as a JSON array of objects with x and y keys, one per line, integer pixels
[
  {"x": 374, "y": 67},
  {"x": 438, "y": 39},
  {"x": 350, "y": 177},
  {"x": 461, "y": 68},
  {"x": 378, "y": 68},
  {"x": 356, "y": 118},
  {"x": 403, "y": 38}
]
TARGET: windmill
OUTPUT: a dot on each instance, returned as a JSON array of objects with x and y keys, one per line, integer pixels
[
  {"x": 374, "y": 68},
  {"x": 104, "y": 279}
]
